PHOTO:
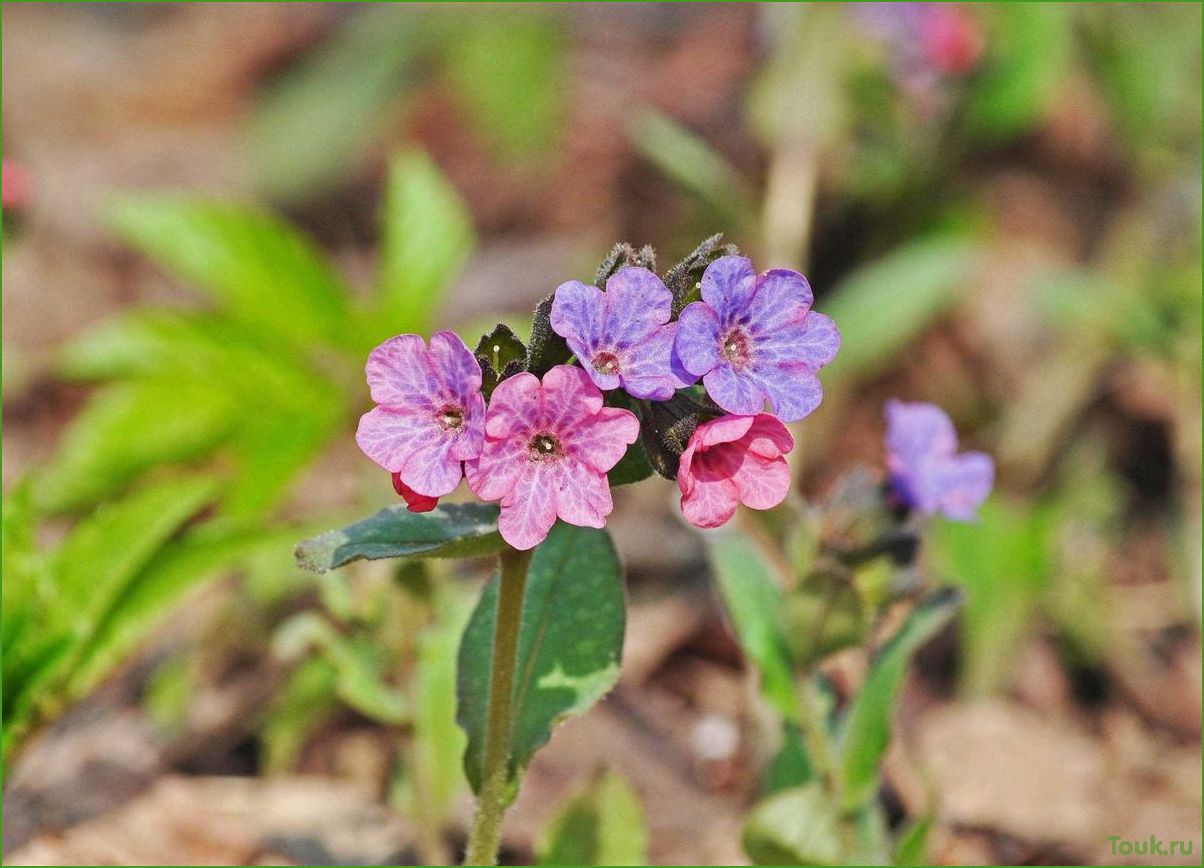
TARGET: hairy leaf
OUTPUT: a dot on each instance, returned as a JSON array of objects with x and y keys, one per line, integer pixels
[
  {"x": 450, "y": 530},
  {"x": 866, "y": 731},
  {"x": 569, "y": 646}
]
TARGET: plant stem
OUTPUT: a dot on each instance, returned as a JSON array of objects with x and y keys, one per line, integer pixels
[{"x": 486, "y": 836}]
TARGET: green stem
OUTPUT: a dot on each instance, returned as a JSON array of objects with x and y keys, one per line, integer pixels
[{"x": 486, "y": 836}]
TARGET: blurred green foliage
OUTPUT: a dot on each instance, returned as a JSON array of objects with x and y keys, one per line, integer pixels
[{"x": 506, "y": 70}]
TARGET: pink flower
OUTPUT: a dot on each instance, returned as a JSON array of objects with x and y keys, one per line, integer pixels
[
  {"x": 733, "y": 460},
  {"x": 547, "y": 449},
  {"x": 430, "y": 415},
  {"x": 415, "y": 502}
]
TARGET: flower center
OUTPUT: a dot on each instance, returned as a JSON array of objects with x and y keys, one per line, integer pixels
[
  {"x": 450, "y": 418},
  {"x": 606, "y": 363},
  {"x": 545, "y": 447},
  {"x": 735, "y": 347}
]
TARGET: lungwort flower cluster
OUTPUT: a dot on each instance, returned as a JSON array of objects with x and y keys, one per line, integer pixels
[{"x": 548, "y": 437}]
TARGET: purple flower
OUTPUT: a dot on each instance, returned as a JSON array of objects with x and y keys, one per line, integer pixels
[
  {"x": 548, "y": 446},
  {"x": 926, "y": 473},
  {"x": 622, "y": 337},
  {"x": 430, "y": 415},
  {"x": 754, "y": 338}
]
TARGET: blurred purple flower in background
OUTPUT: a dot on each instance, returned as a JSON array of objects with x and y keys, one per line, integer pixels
[
  {"x": 754, "y": 338},
  {"x": 926, "y": 473},
  {"x": 430, "y": 414},
  {"x": 926, "y": 40},
  {"x": 622, "y": 337}
]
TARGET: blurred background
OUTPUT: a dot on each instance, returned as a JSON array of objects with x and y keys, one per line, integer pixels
[{"x": 212, "y": 212}]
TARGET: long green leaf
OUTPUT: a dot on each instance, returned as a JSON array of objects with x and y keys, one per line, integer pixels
[
  {"x": 426, "y": 236},
  {"x": 176, "y": 568},
  {"x": 602, "y": 825},
  {"x": 883, "y": 306},
  {"x": 866, "y": 731},
  {"x": 569, "y": 645},
  {"x": 450, "y": 530},
  {"x": 754, "y": 601},
  {"x": 127, "y": 429},
  {"x": 259, "y": 268},
  {"x": 310, "y": 128}
]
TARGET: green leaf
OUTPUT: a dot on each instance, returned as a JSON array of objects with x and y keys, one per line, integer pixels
[
  {"x": 866, "y": 731},
  {"x": 450, "y": 530},
  {"x": 310, "y": 128},
  {"x": 306, "y": 699},
  {"x": 569, "y": 646},
  {"x": 602, "y": 825},
  {"x": 256, "y": 266},
  {"x": 1030, "y": 49},
  {"x": 127, "y": 429},
  {"x": 438, "y": 744},
  {"x": 753, "y": 599},
  {"x": 500, "y": 354},
  {"x": 691, "y": 161},
  {"x": 162, "y": 583},
  {"x": 1004, "y": 562},
  {"x": 884, "y": 306},
  {"x": 795, "y": 827},
  {"x": 511, "y": 72},
  {"x": 359, "y": 663},
  {"x": 426, "y": 237},
  {"x": 911, "y": 847},
  {"x": 106, "y": 551},
  {"x": 791, "y": 766}
]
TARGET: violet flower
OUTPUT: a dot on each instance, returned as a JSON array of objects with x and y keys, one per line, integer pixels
[
  {"x": 622, "y": 337},
  {"x": 754, "y": 338},
  {"x": 926, "y": 473}
]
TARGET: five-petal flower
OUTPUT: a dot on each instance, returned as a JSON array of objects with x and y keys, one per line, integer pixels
[
  {"x": 548, "y": 446},
  {"x": 430, "y": 414},
  {"x": 622, "y": 337},
  {"x": 754, "y": 338}
]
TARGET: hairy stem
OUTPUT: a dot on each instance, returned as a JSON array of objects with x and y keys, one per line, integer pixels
[{"x": 486, "y": 836}]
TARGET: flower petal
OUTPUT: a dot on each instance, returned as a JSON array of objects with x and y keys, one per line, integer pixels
[
  {"x": 578, "y": 311},
  {"x": 455, "y": 365},
  {"x": 793, "y": 390},
  {"x": 768, "y": 437},
  {"x": 471, "y": 439},
  {"x": 728, "y": 285},
  {"x": 601, "y": 441},
  {"x": 515, "y": 406},
  {"x": 762, "y": 483},
  {"x": 962, "y": 485},
  {"x": 637, "y": 304},
  {"x": 582, "y": 495},
  {"x": 710, "y": 504},
  {"x": 528, "y": 510},
  {"x": 400, "y": 374},
  {"x": 735, "y": 392},
  {"x": 388, "y": 436},
  {"x": 821, "y": 340},
  {"x": 415, "y": 502},
  {"x": 650, "y": 371},
  {"x": 697, "y": 341},
  {"x": 568, "y": 397},
  {"x": 915, "y": 431}
]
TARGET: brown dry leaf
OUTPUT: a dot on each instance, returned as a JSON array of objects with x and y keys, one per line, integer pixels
[
  {"x": 999, "y": 766},
  {"x": 232, "y": 821}
]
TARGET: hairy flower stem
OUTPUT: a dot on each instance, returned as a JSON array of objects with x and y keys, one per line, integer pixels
[{"x": 486, "y": 836}]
